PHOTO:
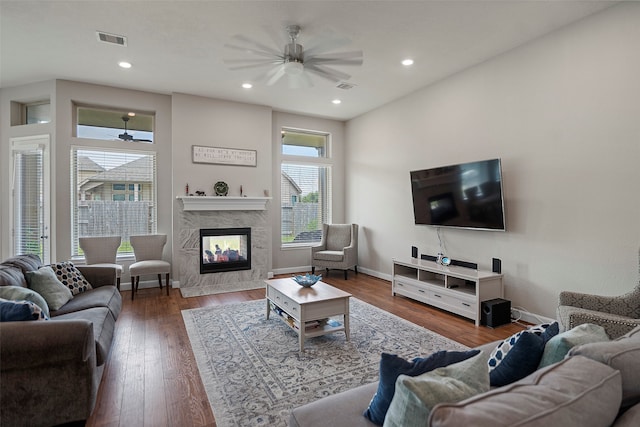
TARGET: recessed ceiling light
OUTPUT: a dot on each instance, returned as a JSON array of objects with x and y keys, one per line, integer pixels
[
  {"x": 336, "y": 101},
  {"x": 247, "y": 85},
  {"x": 407, "y": 62},
  {"x": 124, "y": 64}
]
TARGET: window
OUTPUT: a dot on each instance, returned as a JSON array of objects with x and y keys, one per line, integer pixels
[
  {"x": 114, "y": 194},
  {"x": 30, "y": 113},
  {"x": 114, "y": 125},
  {"x": 305, "y": 186},
  {"x": 30, "y": 196},
  {"x": 131, "y": 192},
  {"x": 38, "y": 112}
]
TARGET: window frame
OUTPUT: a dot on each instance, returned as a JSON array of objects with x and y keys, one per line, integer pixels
[
  {"x": 75, "y": 199},
  {"x": 326, "y": 162}
]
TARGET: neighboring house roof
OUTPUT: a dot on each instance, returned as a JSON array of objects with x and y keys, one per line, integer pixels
[
  {"x": 139, "y": 170},
  {"x": 85, "y": 164},
  {"x": 292, "y": 182}
]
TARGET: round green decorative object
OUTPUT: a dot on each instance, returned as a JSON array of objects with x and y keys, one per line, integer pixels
[{"x": 221, "y": 188}]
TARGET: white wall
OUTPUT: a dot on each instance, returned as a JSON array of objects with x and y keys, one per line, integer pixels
[
  {"x": 563, "y": 114},
  {"x": 217, "y": 123},
  {"x": 181, "y": 121},
  {"x": 63, "y": 94},
  {"x": 68, "y": 93},
  {"x": 21, "y": 94}
]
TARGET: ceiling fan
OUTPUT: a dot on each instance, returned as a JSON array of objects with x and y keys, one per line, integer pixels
[
  {"x": 293, "y": 61},
  {"x": 125, "y": 136}
]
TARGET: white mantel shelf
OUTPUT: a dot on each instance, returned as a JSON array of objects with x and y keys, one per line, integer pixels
[{"x": 223, "y": 203}]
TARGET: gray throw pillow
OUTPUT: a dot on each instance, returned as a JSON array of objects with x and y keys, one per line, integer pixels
[
  {"x": 557, "y": 347},
  {"x": 415, "y": 397},
  {"x": 18, "y": 293},
  {"x": 622, "y": 354},
  {"x": 45, "y": 282}
]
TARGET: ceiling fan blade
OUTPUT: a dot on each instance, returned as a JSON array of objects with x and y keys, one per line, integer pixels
[
  {"x": 356, "y": 54},
  {"x": 277, "y": 74},
  {"x": 252, "y": 61},
  {"x": 257, "y": 44},
  {"x": 327, "y": 73},
  {"x": 341, "y": 58},
  {"x": 253, "y": 51},
  {"x": 255, "y": 64},
  {"x": 336, "y": 61}
]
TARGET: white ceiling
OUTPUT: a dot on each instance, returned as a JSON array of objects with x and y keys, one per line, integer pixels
[{"x": 178, "y": 46}]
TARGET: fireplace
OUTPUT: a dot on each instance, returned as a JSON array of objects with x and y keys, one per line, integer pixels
[{"x": 225, "y": 249}]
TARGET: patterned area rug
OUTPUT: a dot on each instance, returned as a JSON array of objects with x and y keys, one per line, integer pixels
[{"x": 254, "y": 374}]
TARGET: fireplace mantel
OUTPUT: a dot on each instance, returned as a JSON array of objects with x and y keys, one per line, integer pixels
[{"x": 223, "y": 203}]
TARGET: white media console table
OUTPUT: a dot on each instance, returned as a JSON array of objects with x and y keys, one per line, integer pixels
[{"x": 456, "y": 289}]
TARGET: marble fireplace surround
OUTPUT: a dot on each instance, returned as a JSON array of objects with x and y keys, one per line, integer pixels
[{"x": 198, "y": 212}]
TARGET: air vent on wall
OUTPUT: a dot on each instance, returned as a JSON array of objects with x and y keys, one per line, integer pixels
[
  {"x": 111, "y": 38},
  {"x": 345, "y": 85}
]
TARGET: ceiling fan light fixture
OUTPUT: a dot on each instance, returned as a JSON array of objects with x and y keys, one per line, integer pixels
[{"x": 293, "y": 68}]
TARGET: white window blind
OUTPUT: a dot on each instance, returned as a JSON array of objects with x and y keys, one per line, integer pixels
[
  {"x": 29, "y": 212},
  {"x": 114, "y": 194},
  {"x": 305, "y": 187}
]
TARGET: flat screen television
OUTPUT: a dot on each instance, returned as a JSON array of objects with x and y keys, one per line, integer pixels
[{"x": 467, "y": 195}]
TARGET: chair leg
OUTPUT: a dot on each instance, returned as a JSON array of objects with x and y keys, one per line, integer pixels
[
  {"x": 167, "y": 284},
  {"x": 313, "y": 270},
  {"x": 133, "y": 287},
  {"x": 355, "y": 268},
  {"x": 160, "y": 280},
  {"x": 118, "y": 284},
  {"x": 345, "y": 274}
]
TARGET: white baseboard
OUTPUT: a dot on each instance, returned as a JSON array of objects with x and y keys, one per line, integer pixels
[
  {"x": 526, "y": 316},
  {"x": 523, "y": 314},
  {"x": 147, "y": 284},
  {"x": 291, "y": 270},
  {"x": 374, "y": 273}
]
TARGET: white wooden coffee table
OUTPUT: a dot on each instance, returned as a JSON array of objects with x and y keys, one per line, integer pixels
[{"x": 310, "y": 307}]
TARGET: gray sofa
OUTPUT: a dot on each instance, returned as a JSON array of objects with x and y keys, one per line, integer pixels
[
  {"x": 597, "y": 384},
  {"x": 51, "y": 370}
]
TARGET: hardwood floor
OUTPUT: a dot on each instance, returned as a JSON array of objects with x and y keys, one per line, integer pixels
[{"x": 151, "y": 377}]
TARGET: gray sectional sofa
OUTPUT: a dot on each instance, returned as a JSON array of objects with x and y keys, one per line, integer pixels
[
  {"x": 51, "y": 369},
  {"x": 597, "y": 384}
]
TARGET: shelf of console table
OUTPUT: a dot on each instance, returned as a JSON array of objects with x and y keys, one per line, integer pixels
[
  {"x": 304, "y": 305},
  {"x": 455, "y": 289}
]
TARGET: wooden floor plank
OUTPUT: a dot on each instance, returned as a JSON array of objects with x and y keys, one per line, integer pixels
[{"x": 152, "y": 379}]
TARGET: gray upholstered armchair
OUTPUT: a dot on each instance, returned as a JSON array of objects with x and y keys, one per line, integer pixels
[
  {"x": 338, "y": 248},
  {"x": 616, "y": 314}
]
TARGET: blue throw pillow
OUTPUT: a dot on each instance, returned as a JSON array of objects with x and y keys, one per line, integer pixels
[
  {"x": 519, "y": 355},
  {"x": 17, "y": 311},
  {"x": 392, "y": 366}
]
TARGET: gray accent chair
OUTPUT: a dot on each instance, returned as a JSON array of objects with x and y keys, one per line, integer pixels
[
  {"x": 338, "y": 248},
  {"x": 148, "y": 252},
  {"x": 616, "y": 314},
  {"x": 102, "y": 252}
]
